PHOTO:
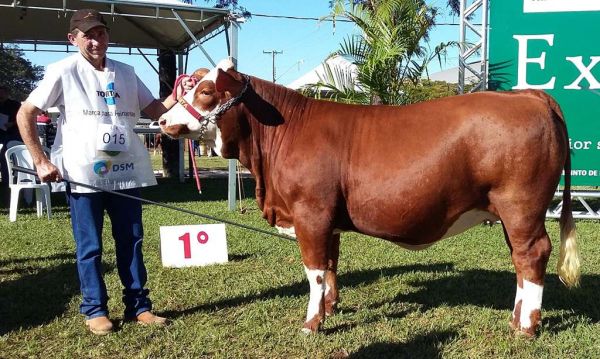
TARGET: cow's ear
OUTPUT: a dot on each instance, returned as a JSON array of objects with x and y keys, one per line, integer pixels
[{"x": 226, "y": 82}]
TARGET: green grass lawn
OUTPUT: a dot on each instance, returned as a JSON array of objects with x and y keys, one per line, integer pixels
[{"x": 452, "y": 300}]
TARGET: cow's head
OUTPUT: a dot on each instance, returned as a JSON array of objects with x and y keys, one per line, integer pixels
[
  {"x": 199, "y": 114},
  {"x": 191, "y": 116}
]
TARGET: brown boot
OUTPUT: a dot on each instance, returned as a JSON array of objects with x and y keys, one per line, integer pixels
[
  {"x": 99, "y": 325},
  {"x": 148, "y": 318}
]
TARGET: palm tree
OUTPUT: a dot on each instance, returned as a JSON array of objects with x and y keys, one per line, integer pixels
[{"x": 389, "y": 52}]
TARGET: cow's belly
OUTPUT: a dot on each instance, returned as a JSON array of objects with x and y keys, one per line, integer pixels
[{"x": 466, "y": 220}]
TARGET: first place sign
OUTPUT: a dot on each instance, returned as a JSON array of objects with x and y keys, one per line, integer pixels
[{"x": 195, "y": 245}]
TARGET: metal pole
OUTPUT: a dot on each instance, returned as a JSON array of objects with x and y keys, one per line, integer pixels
[
  {"x": 232, "y": 164},
  {"x": 273, "y": 53},
  {"x": 484, "y": 44},
  {"x": 198, "y": 43},
  {"x": 462, "y": 45}
]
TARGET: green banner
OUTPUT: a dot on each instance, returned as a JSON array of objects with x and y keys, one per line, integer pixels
[{"x": 553, "y": 45}]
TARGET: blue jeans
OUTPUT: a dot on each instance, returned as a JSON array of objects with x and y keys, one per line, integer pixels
[{"x": 87, "y": 218}]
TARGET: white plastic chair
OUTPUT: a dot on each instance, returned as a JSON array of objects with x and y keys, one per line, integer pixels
[{"x": 19, "y": 156}]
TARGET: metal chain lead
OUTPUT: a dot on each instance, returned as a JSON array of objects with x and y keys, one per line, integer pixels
[{"x": 211, "y": 118}]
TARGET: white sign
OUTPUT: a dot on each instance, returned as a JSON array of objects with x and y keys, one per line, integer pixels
[
  {"x": 560, "y": 5},
  {"x": 112, "y": 138},
  {"x": 195, "y": 245}
]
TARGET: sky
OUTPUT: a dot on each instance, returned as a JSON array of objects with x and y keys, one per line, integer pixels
[{"x": 304, "y": 43}]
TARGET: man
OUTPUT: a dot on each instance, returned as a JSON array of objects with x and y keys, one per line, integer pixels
[
  {"x": 8, "y": 128},
  {"x": 99, "y": 101}
]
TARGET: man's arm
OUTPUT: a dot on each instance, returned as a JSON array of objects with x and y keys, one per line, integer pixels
[
  {"x": 156, "y": 108},
  {"x": 26, "y": 120}
]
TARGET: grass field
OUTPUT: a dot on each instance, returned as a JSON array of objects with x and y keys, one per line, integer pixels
[{"x": 452, "y": 300}]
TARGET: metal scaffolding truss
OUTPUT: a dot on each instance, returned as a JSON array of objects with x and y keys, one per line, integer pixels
[
  {"x": 473, "y": 44},
  {"x": 582, "y": 209}
]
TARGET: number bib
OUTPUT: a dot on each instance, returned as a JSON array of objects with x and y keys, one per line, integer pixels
[{"x": 112, "y": 138}]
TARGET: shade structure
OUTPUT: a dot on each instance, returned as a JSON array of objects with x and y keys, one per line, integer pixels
[{"x": 153, "y": 24}]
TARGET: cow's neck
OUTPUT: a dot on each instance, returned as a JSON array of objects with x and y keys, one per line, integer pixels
[{"x": 273, "y": 112}]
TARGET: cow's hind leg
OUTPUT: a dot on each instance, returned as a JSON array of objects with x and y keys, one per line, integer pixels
[
  {"x": 331, "y": 288},
  {"x": 530, "y": 250}
]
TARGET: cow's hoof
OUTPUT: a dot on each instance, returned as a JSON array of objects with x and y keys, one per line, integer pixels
[
  {"x": 313, "y": 325},
  {"x": 527, "y": 333},
  {"x": 307, "y": 331}
]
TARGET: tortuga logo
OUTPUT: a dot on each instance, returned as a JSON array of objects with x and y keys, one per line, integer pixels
[
  {"x": 110, "y": 96},
  {"x": 101, "y": 168}
]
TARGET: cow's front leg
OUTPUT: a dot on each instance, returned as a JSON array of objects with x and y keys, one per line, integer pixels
[
  {"x": 314, "y": 246},
  {"x": 315, "y": 312},
  {"x": 331, "y": 288}
]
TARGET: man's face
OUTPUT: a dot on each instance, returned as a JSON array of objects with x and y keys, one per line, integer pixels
[{"x": 92, "y": 44}]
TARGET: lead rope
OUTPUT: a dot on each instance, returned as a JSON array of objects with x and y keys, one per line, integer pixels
[
  {"x": 193, "y": 158},
  {"x": 216, "y": 219},
  {"x": 179, "y": 85}
]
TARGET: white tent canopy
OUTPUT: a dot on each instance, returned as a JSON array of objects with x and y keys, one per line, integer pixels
[
  {"x": 133, "y": 23},
  {"x": 337, "y": 64}
]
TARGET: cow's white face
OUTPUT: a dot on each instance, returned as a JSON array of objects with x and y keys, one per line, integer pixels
[{"x": 178, "y": 122}]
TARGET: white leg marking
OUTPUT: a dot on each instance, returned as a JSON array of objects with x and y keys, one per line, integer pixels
[
  {"x": 316, "y": 293},
  {"x": 532, "y": 300},
  {"x": 290, "y": 231}
]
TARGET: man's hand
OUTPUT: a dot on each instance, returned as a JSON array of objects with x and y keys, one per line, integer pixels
[
  {"x": 48, "y": 172},
  {"x": 186, "y": 84}
]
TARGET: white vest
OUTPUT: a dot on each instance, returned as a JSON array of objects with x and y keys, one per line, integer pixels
[{"x": 95, "y": 142}]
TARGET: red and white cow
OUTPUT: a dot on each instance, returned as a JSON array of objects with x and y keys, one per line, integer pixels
[{"x": 408, "y": 174}]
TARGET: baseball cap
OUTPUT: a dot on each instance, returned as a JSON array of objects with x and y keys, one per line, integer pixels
[{"x": 85, "y": 19}]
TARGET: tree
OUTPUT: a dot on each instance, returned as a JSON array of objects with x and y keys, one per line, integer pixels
[
  {"x": 390, "y": 51},
  {"x": 17, "y": 73}
]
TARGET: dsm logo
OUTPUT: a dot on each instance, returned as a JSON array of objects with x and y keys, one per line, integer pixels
[
  {"x": 110, "y": 96},
  {"x": 102, "y": 168}
]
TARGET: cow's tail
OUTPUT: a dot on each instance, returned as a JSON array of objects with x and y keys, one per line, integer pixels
[{"x": 568, "y": 262}]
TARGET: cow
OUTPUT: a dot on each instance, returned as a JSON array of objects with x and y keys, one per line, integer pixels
[{"x": 410, "y": 174}]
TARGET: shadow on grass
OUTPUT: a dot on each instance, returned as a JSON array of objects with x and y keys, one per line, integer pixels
[
  {"x": 493, "y": 289},
  {"x": 482, "y": 288},
  {"x": 59, "y": 256},
  {"x": 40, "y": 297},
  {"x": 301, "y": 288},
  {"x": 423, "y": 346}
]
